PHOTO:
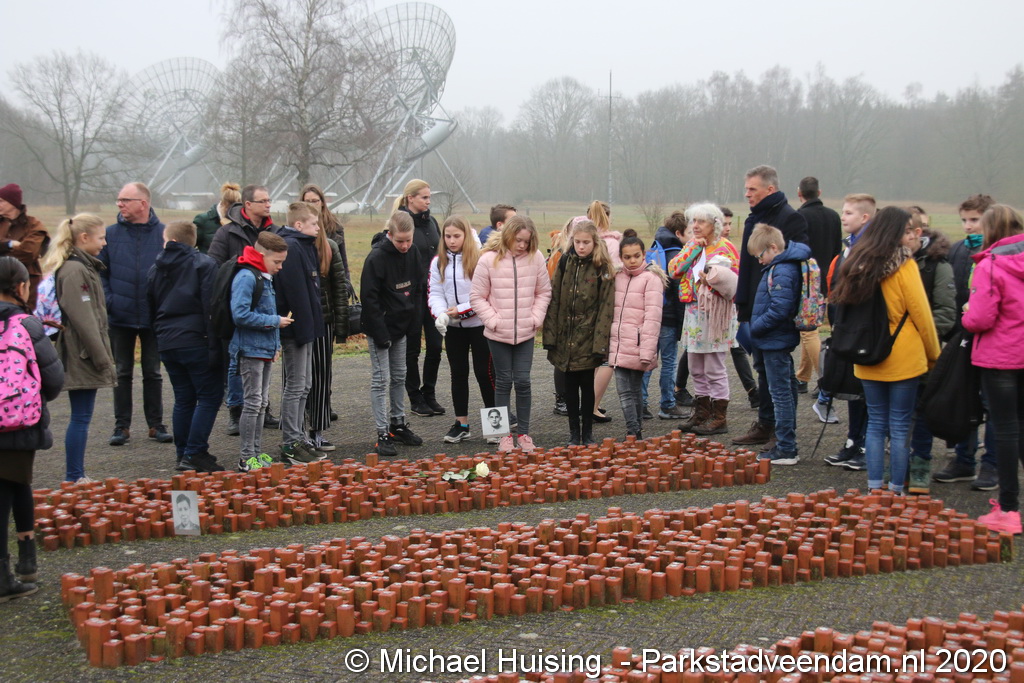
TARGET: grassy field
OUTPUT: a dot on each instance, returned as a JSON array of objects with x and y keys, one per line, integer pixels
[{"x": 548, "y": 216}]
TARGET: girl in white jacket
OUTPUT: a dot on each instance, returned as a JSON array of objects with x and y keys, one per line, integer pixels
[{"x": 451, "y": 275}]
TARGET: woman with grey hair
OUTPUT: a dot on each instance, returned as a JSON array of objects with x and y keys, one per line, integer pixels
[{"x": 707, "y": 268}]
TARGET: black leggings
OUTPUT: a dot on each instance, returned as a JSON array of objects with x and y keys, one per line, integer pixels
[
  {"x": 1004, "y": 390},
  {"x": 459, "y": 343},
  {"x": 579, "y": 397},
  {"x": 17, "y": 498}
]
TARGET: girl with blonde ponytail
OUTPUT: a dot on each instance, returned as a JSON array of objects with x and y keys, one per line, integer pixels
[{"x": 84, "y": 343}]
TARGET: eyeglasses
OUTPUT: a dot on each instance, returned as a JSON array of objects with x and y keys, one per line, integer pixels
[
  {"x": 125, "y": 200},
  {"x": 761, "y": 255},
  {"x": 260, "y": 201},
  {"x": 313, "y": 201}
]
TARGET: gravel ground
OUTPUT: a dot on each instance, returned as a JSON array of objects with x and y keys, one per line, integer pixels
[{"x": 37, "y": 642}]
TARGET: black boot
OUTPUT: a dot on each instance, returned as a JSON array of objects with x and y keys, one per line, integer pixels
[
  {"x": 10, "y": 587},
  {"x": 587, "y": 438},
  {"x": 234, "y": 414},
  {"x": 574, "y": 433},
  {"x": 269, "y": 421},
  {"x": 26, "y": 567},
  {"x": 560, "y": 407}
]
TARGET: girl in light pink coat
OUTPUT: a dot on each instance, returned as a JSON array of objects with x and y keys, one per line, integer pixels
[
  {"x": 639, "y": 296},
  {"x": 510, "y": 294}
]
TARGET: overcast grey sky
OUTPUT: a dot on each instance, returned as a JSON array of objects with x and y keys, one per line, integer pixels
[{"x": 505, "y": 49}]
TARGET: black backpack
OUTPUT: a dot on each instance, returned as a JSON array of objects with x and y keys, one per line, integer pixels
[
  {"x": 860, "y": 332},
  {"x": 222, "y": 324},
  {"x": 951, "y": 401}
]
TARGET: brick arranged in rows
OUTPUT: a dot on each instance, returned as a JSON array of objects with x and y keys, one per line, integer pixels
[
  {"x": 923, "y": 650},
  {"x": 112, "y": 510},
  {"x": 230, "y": 600}
]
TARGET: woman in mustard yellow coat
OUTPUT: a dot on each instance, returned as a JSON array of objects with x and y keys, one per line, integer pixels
[{"x": 890, "y": 388}]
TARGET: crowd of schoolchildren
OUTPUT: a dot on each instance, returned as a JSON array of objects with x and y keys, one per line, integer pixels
[{"x": 603, "y": 302}]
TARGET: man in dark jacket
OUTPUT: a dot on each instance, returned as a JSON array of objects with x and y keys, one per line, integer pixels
[
  {"x": 249, "y": 218},
  {"x": 671, "y": 322},
  {"x": 825, "y": 238},
  {"x": 177, "y": 292},
  {"x": 767, "y": 205},
  {"x": 133, "y": 243},
  {"x": 298, "y": 297}
]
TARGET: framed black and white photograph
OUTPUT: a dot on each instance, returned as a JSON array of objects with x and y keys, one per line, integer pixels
[
  {"x": 494, "y": 421},
  {"x": 185, "y": 513}
]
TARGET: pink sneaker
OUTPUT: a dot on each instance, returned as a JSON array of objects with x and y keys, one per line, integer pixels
[
  {"x": 526, "y": 443},
  {"x": 1001, "y": 522},
  {"x": 506, "y": 444}
]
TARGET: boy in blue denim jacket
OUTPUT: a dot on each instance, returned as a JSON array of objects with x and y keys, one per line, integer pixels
[
  {"x": 257, "y": 340},
  {"x": 773, "y": 331}
]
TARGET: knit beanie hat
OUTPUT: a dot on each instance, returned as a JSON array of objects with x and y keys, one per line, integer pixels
[{"x": 11, "y": 194}]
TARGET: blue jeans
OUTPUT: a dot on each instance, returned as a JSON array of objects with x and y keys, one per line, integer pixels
[
  {"x": 197, "y": 395},
  {"x": 765, "y": 409},
  {"x": 778, "y": 370},
  {"x": 668, "y": 349},
  {"x": 890, "y": 411},
  {"x": 83, "y": 401}
]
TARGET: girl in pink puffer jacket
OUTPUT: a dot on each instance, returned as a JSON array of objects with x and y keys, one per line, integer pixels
[
  {"x": 639, "y": 296},
  {"x": 510, "y": 294}
]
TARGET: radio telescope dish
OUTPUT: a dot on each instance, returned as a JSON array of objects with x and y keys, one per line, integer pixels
[
  {"x": 417, "y": 43},
  {"x": 167, "y": 109}
]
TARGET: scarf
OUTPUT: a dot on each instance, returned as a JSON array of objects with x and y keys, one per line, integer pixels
[
  {"x": 895, "y": 261},
  {"x": 974, "y": 241}
]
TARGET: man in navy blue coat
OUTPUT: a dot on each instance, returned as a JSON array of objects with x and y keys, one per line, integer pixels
[{"x": 133, "y": 243}]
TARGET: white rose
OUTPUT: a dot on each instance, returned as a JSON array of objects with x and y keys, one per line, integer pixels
[{"x": 482, "y": 470}]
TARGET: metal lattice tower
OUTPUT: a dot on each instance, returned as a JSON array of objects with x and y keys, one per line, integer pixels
[{"x": 167, "y": 110}]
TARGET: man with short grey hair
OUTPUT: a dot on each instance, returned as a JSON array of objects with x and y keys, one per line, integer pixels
[
  {"x": 768, "y": 205},
  {"x": 133, "y": 243}
]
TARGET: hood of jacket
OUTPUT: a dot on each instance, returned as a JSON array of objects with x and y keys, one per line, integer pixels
[
  {"x": 667, "y": 238},
  {"x": 934, "y": 246},
  {"x": 236, "y": 214},
  {"x": 174, "y": 255},
  {"x": 1007, "y": 254},
  {"x": 795, "y": 251}
]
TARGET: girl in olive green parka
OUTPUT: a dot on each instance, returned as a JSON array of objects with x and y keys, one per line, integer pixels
[{"x": 577, "y": 326}]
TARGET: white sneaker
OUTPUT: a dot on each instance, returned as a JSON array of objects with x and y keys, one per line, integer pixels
[
  {"x": 85, "y": 480},
  {"x": 526, "y": 444},
  {"x": 494, "y": 440},
  {"x": 819, "y": 410}
]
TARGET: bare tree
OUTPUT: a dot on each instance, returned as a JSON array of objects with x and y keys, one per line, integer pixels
[
  {"x": 72, "y": 124},
  {"x": 327, "y": 91}
]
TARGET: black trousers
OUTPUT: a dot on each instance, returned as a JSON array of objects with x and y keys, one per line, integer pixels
[
  {"x": 122, "y": 342},
  {"x": 432, "y": 361},
  {"x": 1004, "y": 390},
  {"x": 16, "y": 498},
  {"x": 459, "y": 343},
  {"x": 579, "y": 397}
]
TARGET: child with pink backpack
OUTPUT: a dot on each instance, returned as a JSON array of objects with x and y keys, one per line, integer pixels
[{"x": 31, "y": 375}]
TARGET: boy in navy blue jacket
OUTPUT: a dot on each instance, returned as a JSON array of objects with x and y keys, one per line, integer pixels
[
  {"x": 773, "y": 332},
  {"x": 298, "y": 297},
  {"x": 177, "y": 288},
  {"x": 256, "y": 340}
]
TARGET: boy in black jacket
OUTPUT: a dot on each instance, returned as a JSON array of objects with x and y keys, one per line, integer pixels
[
  {"x": 298, "y": 297},
  {"x": 391, "y": 286},
  {"x": 177, "y": 290}
]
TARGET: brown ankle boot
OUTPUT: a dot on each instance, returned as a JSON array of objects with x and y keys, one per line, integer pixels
[
  {"x": 758, "y": 433},
  {"x": 716, "y": 424},
  {"x": 701, "y": 412}
]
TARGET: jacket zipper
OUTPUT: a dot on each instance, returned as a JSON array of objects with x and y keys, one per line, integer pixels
[
  {"x": 455, "y": 282},
  {"x": 572, "y": 308},
  {"x": 515, "y": 302}
]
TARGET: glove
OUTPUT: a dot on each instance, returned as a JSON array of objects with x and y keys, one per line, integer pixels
[
  {"x": 385, "y": 345},
  {"x": 441, "y": 323}
]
